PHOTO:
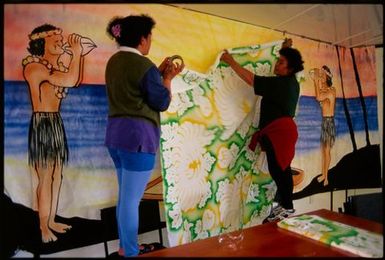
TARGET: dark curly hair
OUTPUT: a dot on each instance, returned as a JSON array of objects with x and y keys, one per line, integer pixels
[
  {"x": 128, "y": 31},
  {"x": 294, "y": 59},
  {"x": 329, "y": 81},
  {"x": 36, "y": 47}
]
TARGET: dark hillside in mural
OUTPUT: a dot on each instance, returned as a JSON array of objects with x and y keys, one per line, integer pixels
[
  {"x": 358, "y": 169},
  {"x": 23, "y": 233}
]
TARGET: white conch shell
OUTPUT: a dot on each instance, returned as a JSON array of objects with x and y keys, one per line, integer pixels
[{"x": 87, "y": 44}]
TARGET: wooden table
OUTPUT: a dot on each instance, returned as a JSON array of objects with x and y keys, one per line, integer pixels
[{"x": 270, "y": 240}]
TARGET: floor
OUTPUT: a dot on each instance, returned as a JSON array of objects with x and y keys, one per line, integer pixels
[{"x": 98, "y": 249}]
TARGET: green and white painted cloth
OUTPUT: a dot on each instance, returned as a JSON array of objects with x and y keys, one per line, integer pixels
[
  {"x": 212, "y": 182},
  {"x": 352, "y": 239}
]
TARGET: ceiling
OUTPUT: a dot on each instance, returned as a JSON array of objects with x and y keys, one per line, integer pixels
[{"x": 348, "y": 25}]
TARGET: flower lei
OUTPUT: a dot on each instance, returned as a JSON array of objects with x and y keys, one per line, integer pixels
[
  {"x": 40, "y": 35},
  {"x": 60, "y": 92}
]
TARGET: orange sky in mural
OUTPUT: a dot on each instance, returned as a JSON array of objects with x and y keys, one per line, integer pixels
[{"x": 197, "y": 37}]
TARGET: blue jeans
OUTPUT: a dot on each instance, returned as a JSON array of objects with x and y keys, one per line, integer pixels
[{"x": 131, "y": 189}]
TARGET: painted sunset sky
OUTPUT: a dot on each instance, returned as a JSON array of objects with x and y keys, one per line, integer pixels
[{"x": 197, "y": 37}]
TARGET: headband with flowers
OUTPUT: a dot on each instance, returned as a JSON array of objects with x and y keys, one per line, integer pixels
[
  {"x": 40, "y": 35},
  {"x": 327, "y": 73}
]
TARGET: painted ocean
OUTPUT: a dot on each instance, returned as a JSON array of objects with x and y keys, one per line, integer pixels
[{"x": 84, "y": 113}]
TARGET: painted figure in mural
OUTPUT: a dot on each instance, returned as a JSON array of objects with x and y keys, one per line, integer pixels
[
  {"x": 325, "y": 94},
  {"x": 277, "y": 130},
  {"x": 47, "y": 78},
  {"x": 137, "y": 91}
]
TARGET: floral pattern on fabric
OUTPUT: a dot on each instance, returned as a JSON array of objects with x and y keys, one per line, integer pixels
[
  {"x": 333, "y": 233},
  {"x": 208, "y": 170}
]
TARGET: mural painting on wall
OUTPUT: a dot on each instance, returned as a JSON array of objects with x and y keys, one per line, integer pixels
[
  {"x": 350, "y": 118},
  {"x": 336, "y": 117},
  {"x": 48, "y": 79},
  {"x": 325, "y": 94}
]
